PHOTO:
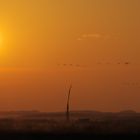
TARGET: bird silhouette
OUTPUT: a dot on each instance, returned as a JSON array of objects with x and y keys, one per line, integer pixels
[{"x": 127, "y": 63}]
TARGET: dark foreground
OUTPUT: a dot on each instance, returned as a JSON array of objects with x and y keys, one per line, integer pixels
[
  {"x": 47, "y": 136},
  {"x": 82, "y": 125}
]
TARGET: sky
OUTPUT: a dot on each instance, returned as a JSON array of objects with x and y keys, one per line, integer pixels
[{"x": 45, "y": 45}]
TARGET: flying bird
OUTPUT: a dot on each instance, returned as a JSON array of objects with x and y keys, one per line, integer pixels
[
  {"x": 127, "y": 63},
  {"x": 70, "y": 65}
]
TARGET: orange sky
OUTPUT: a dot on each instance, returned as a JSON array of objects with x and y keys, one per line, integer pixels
[{"x": 96, "y": 36}]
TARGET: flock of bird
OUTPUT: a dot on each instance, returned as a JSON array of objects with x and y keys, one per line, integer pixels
[
  {"x": 98, "y": 63},
  {"x": 70, "y": 65}
]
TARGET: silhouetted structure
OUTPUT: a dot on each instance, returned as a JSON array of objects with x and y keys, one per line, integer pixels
[{"x": 68, "y": 100}]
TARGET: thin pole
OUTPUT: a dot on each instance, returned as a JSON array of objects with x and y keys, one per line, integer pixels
[{"x": 68, "y": 100}]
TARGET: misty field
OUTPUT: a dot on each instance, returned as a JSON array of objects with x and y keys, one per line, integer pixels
[{"x": 82, "y": 123}]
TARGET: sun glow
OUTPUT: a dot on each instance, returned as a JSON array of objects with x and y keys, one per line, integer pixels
[
  {"x": 1, "y": 39},
  {"x": 2, "y": 48}
]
